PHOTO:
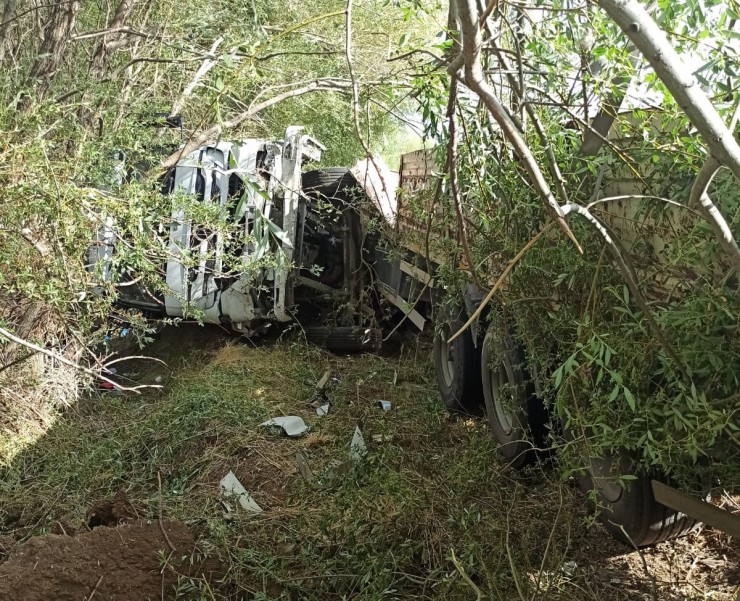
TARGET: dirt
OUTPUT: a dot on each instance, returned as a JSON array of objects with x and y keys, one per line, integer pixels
[
  {"x": 111, "y": 512},
  {"x": 120, "y": 563}
]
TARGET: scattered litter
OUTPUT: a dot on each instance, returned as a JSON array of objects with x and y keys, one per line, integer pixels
[
  {"x": 323, "y": 410},
  {"x": 382, "y": 437},
  {"x": 395, "y": 377},
  {"x": 292, "y": 425},
  {"x": 232, "y": 487},
  {"x": 568, "y": 569},
  {"x": 384, "y": 405},
  {"x": 324, "y": 379},
  {"x": 357, "y": 448},
  {"x": 304, "y": 468},
  {"x": 158, "y": 379}
]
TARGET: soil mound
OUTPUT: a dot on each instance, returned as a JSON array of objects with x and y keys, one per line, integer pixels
[{"x": 106, "y": 564}]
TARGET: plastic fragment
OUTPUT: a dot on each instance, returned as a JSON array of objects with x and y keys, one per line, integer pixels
[
  {"x": 292, "y": 425},
  {"x": 357, "y": 448},
  {"x": 232, "y": 487}
]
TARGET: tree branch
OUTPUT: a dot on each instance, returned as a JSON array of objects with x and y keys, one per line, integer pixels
[
  {"x": 61, "y": 359},
  {"x": 474, "y": 79},
  {"x": 207, "y": 65},
  {"x": 215, "y": 130},
  {"x": 644, "y": 33}
]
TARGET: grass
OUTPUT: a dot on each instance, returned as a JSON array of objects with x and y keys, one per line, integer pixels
[{"x": 429, "y": 513}]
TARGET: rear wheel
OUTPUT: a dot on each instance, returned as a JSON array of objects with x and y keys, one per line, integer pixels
[
  {"x": 516, "y": 417},
  {"x": 629, "y": 510},
  {"x": 457, "y": 363}
]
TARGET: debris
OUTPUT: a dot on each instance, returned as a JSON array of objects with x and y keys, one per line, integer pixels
[
  {"x": 382, "y": 437},
  {"x": 324, "y": 379},
  {"x": 568, "y": 569},
  {"x": 384, "y": 405},
  {"x": 232, "y": 487},
  {"x": 292, "y": 425},
  {"x": 357, "y": 448},
  {"x": 304, "y": 468},
  {"x": 158, "y": 379},
  {"x": 323, "y": 410},
  {"x": 395, "y": 377}
]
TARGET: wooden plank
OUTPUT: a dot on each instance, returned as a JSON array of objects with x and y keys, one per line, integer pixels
[
  {"x": 413, "y": 315},
  {"x": 418, "y": 274},
  {"x": 700, "y": 510}
]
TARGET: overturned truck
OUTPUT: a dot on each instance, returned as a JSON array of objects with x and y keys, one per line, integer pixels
[{"x": 335, "y": 250}]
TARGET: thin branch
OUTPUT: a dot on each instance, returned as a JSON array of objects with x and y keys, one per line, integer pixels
[
  {"x": 466, "y": 578},
  {"x": 501, "y": 280},
  {"x": 356, "y": 95},
  {"x": 125, "y": 29},
  {"x": 215, "y": 130},
  {"x": 61, "y": 359},
  {"x": 451, "y": 168},
  {"x": 207, "y": 65},
  {"x": 703, "y": 203},
  {"x": 475, "y": 80}
]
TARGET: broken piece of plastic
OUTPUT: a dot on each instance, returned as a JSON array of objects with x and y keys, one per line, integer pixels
[
  {"x": 292, "y": 425},
  {"x": 384, "y": 405},
  {"x": 357, "y": 448},
  {"x": 232, "y": 487},
  {"x": 324, "y": 379},
  {"x": 323, "y": 410}
]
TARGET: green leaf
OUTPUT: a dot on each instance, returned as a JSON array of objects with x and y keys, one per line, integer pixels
[{"x": 629, "y": 398}]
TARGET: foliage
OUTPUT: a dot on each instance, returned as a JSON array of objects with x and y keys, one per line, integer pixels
[{"x": 606, "y": 373}]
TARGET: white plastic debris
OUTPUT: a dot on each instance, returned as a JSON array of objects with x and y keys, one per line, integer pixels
[
  {"x": 357, "y": 448},
  {"x": 323, "y": 410},
  {"x": 232, "y": 487},
  {"x": 568, "y": 569},
  {"x": 384, "y": 405},
  {"x": 292, "y": 425}
]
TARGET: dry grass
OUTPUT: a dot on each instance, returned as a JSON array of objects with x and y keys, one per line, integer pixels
[{"x": 385, "y": 528}]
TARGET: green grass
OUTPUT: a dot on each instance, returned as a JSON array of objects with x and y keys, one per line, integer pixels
[{"x": 386, "y": 529}]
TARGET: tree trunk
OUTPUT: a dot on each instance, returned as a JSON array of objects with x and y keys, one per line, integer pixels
[
  {"x": 7, "y": 25},
  {"x": 112, "y": 41},
  {"x": 56, "y": 35}
]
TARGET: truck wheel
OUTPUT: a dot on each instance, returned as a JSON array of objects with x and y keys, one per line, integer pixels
[
  {"x": 631, "y": 512},
  {"x": 457, "y": 364},
  {"x": 345, "y": 339},
  {"x": 516, "y": 417}
]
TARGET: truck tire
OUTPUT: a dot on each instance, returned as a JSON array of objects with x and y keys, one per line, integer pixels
[
  {"x": 516, "y": 418},
  {"x": 631, "y": 513},
  {"x": 345, "y": 339},
  {"x": 457, "y": 364}
]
